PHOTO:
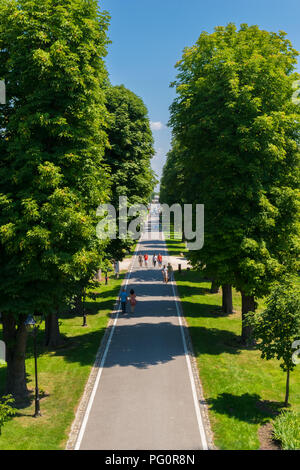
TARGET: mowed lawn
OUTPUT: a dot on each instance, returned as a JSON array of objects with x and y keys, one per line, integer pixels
[
  {"x": 62, "y": 377},
  {"x": 243, "y": 391}
]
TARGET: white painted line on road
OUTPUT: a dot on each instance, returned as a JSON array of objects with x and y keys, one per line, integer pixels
[
  {"x": 92, "y": 397},
  {"x": 187, "y": 357}
]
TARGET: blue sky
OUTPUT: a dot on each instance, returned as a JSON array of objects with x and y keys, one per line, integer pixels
[{"x": 148, "y": 37}]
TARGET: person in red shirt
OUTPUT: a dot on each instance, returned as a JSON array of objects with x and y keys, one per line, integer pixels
[
  {"x": 159, "y": 259},
  {"x": 146, "y": 259}
]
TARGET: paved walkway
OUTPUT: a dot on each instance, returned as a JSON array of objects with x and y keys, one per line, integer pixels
[{"x": 144, "y": 396}]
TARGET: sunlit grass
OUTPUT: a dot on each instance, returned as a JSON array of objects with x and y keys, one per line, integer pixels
[{"x": 243, "y": 391}]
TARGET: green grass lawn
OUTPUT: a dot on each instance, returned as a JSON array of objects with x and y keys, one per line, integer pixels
[
  {"x": 243, "y": 391},
  {"x": 62, "y": 376},
  {"x": 175, "y": 246}
]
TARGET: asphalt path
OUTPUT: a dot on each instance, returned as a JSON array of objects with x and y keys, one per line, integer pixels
[{"x": 145, "y": 397}]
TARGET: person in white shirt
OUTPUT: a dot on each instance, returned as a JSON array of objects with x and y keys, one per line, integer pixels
[{"x": 165, "y": 274}]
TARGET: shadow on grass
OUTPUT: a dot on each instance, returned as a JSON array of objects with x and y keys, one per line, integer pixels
[
  {"x": 188, "y": 291},
  {"x": 20, "y": 402},
  {"x": 247, "y": 407},
  {"x": 196, "y": 310},
  {"x": 214, "y": 341}
]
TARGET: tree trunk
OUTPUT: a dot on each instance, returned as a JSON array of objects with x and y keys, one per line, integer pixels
[
  {"x": 78, "y": 305},
  {"x": 215, "y": 287},
  {"x": 227, "y": 305},
  {"x": 287, "y": 388},
  {"x": 15, "y": 338},
  {"x": 248, "y": 305},
  {"x": 53, "y": 338}
]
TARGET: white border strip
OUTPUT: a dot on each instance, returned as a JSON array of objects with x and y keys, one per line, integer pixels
[
  {"x": 187, "y": 357},
  {"x": 188, "y": 361},
  {"x": 93, "y": 394}
]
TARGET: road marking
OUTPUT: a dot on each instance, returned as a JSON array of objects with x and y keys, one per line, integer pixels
[
  {"x": 96, "y": 384},
  {"x": 93, "y": 394},
  {"x": 192, "y": 381}
]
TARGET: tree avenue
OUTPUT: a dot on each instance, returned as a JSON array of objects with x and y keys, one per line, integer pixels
[
  {"x": 237, "y": 130},
  {"x": 69, "y": 142}
]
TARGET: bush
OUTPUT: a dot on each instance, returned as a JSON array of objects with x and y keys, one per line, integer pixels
[
  {"x": 6, "y": 409},
  {"x": 287, "y": 430}
]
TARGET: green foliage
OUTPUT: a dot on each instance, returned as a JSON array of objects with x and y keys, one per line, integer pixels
[
  {"x": 287, "y": 430},
  {"x": 52, "y": 174},
  {"x": 6, "y": 409},
  {"x": 173, "y": 185},
  {"x": 52, "y": 171},
  {"x": 129, "y": 154},
  {"x": 278, "y": 326}
]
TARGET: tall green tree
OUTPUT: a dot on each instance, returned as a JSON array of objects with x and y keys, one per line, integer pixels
[
  {"x": 173, "y": 184},
  {"x": 278, "y": 327},
  {"x": 128, "y": 155},
  {"x": 234, "y": 112},
  {"x": 52, "y": 175}
]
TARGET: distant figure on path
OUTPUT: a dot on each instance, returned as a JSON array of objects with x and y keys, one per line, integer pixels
[
  {"x": 165, "y": 274},
  {"x": 132, "y": 300},
  {"x": 146, "y": 259},
  {"x": 123, "y": 298},
  {"x": 140, "y": 260},
  {"x": 154, "y": 260}
]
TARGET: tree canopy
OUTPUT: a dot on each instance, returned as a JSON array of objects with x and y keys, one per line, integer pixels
[
  {"x": 129, "y": 154},
  {"x": 52, "y": 171},
  {"x": 235, "y": 119},
  {"x": 278, "y": 326}
]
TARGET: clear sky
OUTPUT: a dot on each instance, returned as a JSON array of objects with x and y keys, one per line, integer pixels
[{"x": 148, "y": 37}]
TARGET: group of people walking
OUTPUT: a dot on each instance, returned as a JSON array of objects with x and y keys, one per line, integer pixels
[
  {"x": 156, "y": 259},
  {"x": 167, "y": 274}
]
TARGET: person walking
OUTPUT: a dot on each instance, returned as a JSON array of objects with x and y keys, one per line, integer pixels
[
  {"x": 132, "y": 300},
  {"x": 117, "y": 269},
  {"x": 165, "y": 274},
  {"x": 170, "y": 272},
  {"x": 140, "y": 261},
  {"x": 123, "y": 299},
  {"x": 159, "y": 259},
  {"x": 146, "y": 259},
  {"x": 154, "y": 260}
]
